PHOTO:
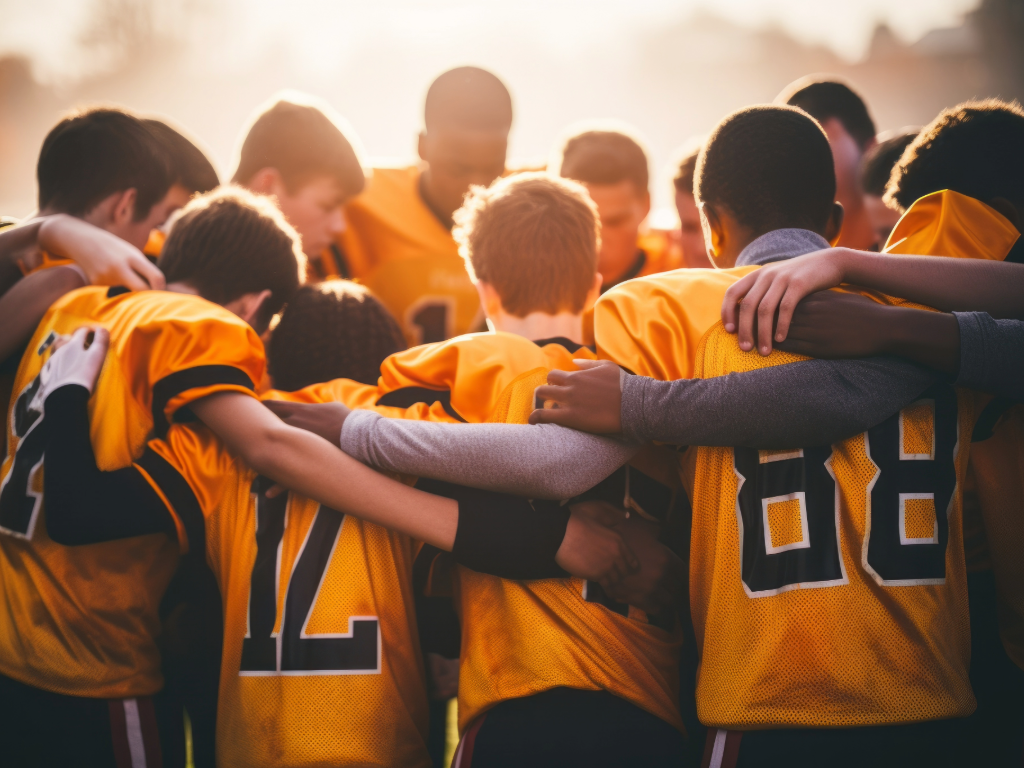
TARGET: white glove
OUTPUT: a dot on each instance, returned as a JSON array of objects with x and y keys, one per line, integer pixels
[{"x": 76, "y": 361}]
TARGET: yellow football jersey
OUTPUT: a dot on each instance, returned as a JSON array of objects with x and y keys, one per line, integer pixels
[
  {"x": 827, "y": 584},
  {"x": 321, "y": 662},
  {"x": 155, "y": 244},
  {"x": 83, "y": 620},
  {"x": 395, "y": 245},
  {"x": 521, "y": 638},
  {"x": 947, "y": 223}
]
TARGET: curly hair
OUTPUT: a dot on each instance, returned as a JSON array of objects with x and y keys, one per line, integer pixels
[
  {"x": 975, "y": 148},
  {"x": 331, "y": 330},
  {"x": 771, "y": 167}
]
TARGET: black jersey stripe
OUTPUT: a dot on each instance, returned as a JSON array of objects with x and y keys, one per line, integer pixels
[
  {"x": 405, "y": 397},
  {"x": 174, "y": 384},
  {"x": 182, "y": 498}
]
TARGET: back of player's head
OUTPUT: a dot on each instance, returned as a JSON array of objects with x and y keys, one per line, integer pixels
[
  {"x": 823, "y": 99},
  {"x": 685, "y": 168},
  {"x": 771, "y": 167},
  {"x": 189, "y": 167},
  {"x": 603, "y": 157},
  {"x": 331, "y": 330},
  {"x": 301, "y": 141},
  {"x": 93, "y": 154},
  {"x": 975, "y": 148},
  {"x": 878, "y": 162},
  {"x": 468, "y": 99},
  {"x": 534, "y": 238},
  {"x": 230, "y": 242}
]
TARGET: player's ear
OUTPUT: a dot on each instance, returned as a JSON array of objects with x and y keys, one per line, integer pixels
[
  {"x": 594, "y": 293},
  {"x": 1007, "y": 209},
  {"x": 645, "y": 199},
  {"x": 247, "y": 307},
  {"x": 421, "y": 146},
  {"x": 714, "y": 230},
  {"x": 122, "y": 212},
  {"x": 835, "y": 223},
  {"x": 489, "y": 299},
  {"x": 267, "y": 181}
]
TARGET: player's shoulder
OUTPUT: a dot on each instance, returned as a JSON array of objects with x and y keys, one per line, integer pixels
[
  {"x": 386, "y": 187},
  {"x": 673, "y": 286},
  {"x": 148, "y": 309}
]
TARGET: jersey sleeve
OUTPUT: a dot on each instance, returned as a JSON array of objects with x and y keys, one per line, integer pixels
[
  {"x": 190, "y": 470},
  {"x": 196, "y": 351},
  {"x": 356, "y": 395}
]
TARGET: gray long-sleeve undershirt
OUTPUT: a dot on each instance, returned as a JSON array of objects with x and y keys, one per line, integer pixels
[
  {"x": 991, "y": 355},
  {"x": 816, "y": 402}
]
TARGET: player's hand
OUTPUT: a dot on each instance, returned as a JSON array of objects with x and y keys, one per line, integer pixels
[
  {"x": 77, "y": 360},
  {"x": 105, "y": 258},
  {"x": 592, "y": 549},
  {"x": 751, "y": 303},
  {"x": 829, "y": 324},
  {"x": 655, "y": 586},
  {"x": 324, "y": 419},
  {"x": 589, "y": 399}
]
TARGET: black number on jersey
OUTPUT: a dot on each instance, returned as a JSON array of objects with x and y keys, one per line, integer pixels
[
  {"x": 293, "y": 651},
  {"x": 801, "y": 483},
  {"x": 19, "y": 504},
  {"x": 430, "y": 317}
]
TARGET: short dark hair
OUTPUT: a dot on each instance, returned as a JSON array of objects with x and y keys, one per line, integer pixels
[
  {"x": 685, "y": 169},
  {"x": 975, "y": 148},
  {"x": 301, "y": 142},
  {"x": 230, "y": 242},
  {"x": 771, "y": 167},
  {"x": 878, "y": 162},
  {"x": 604, "y": 157},
  {"x": 189, "y": 166},
  {"x": 824, "y": 98},
  {"x": 91, "y": 155},
  {"x": 331, "y": 330},
  {"x": 469, "y": 98}
]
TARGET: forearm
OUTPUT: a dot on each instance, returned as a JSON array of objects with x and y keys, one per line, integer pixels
[
  {"x": 18, "y": 247},
  {"x": 944, "y": 283},
  {"x": 927, "y": 338},
  {"x": 815, "y": 402},
  {"x": 539, "y": 461},
  {"x": 991, "y": 355}
]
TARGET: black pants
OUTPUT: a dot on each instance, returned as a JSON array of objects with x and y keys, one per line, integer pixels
[
  {"x": 40, "y": 729},
  {"x": 564, "y": 727}
]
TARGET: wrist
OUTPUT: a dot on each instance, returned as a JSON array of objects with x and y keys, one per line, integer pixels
[{"x": 929, "y": 338}]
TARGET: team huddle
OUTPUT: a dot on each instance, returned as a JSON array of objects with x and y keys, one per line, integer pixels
[{"x": 291, "y": 461}]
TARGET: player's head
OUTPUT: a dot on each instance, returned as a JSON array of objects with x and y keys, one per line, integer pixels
[
  {"x": 691, "y": 237},
  {"x": 331, "y": 330},
  {"x": 191, "y": 171},
  {"x": 107, "y": 167},
  {"x": 612, "y": 165},
  {"x": 764, "y": 168},
  {"x": 976, "y": 149},
  {"x": 235, "y": 249},
  {"x": 466, "y": 119},
  {"x": 295, "y": 152},
  {"x": 875, "y": 170},
  {"x": 828, "y": 100},
  {"x": 530, "y": 242}
]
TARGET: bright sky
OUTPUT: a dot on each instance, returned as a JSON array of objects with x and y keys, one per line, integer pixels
[{"x": 323, "y": 34}]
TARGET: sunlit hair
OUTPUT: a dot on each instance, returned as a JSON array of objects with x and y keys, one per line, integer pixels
[
  {"x": 534, "y": 238},
  {"x": 331, "y": 330},
  {"x": 189, "y": 166},
  {"x": 302, "y": 138},
  {"x": 827, "y": 97},
  {"x": 230, "y": 242},
  {"x": 771, "y": 167},
  {"x": 603, "y": 153},
  {"x": 94, "y": 153},
  {"x": 467, "y": 98},
  {"x": 878, "y": 162},
  {"x": 685, "y": 165},
  {"x": 975, "y": 148}
]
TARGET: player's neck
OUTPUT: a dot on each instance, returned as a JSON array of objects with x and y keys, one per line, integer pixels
[
  {"x": 180, "y": 287},
  {"x": 540, "y": 325}
]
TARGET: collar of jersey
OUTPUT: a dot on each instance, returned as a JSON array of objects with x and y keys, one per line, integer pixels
[{"x": 780, "y": 244}]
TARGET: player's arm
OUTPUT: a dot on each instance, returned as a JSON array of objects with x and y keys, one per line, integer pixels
[
  {"x": 22, "y": 307},
  {"x": 949, "y": 285},
  {"x": 105, "y": 258}
]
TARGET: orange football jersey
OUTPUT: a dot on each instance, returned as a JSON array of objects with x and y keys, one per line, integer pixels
[
  {"x": 83, "y": 620},
  {"x": 947, "y": 223},
  {"x": 395, "y": 245},
  {"x": 321, "y": 662},
  {"x": 827, "y": 584}
]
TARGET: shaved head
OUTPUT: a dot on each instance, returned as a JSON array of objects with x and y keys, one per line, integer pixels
[{"x": 468, "y": 99}]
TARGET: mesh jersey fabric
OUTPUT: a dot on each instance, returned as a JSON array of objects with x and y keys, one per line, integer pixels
[
  {"x": 949, "y": 224},
  {"x": 83, "y": 621},
  {"x": 828, "y": 584},
  {"x": 395, "y": 245},
  {"x": 321, "y": 662}
]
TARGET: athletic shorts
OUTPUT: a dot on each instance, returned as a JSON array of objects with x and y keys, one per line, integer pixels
[
  {"x": 565, "y": 728},
  {"x": 40, "y": 729}
]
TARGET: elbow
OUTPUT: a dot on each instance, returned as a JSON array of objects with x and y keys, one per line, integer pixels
[{"x": 264, "y": 451}]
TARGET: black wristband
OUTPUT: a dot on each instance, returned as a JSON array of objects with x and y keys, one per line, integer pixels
[{"x": 503, "y": 535}]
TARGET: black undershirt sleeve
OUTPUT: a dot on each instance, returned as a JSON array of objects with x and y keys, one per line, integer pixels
[
  {"x": 504, "y": 535},
  {"x": 85, "y": 505}
]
